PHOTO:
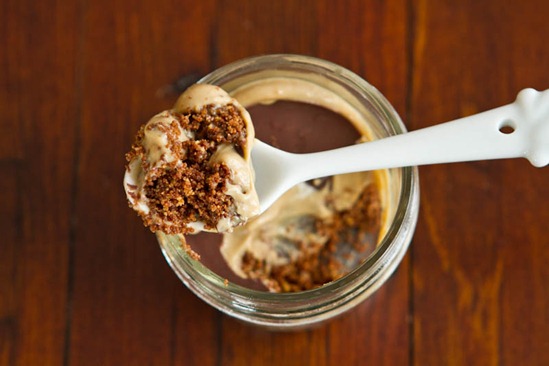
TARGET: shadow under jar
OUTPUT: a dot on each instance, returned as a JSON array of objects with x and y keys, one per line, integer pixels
[{"x": 304, "y": 104}]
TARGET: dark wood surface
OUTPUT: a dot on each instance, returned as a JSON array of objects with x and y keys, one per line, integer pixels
[{"x": 83, "y": 283}]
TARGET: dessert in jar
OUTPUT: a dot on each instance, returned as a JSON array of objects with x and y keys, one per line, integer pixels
[{"x": 325, "y": 245}]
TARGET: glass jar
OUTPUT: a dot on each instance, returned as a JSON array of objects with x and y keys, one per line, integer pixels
[{"x": 301, "y": 309}]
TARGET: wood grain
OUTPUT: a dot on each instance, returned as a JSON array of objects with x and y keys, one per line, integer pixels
[
  {"x": 83, "y": 283},
  {"x": 38, "y": 111},
  {"x": 477, "y": 248}
]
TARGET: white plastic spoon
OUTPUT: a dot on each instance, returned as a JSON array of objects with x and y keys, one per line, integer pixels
[{"x": 519, "y": 129}]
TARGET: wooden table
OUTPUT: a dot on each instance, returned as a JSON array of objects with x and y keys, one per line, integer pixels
[{"x": 83, "y": 283}]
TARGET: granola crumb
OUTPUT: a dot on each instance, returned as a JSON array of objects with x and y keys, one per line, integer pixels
[
  {"x": 187, "y": 248},
  {"x": 189, "y": 188},
  {"x": 318, "y": 265}
]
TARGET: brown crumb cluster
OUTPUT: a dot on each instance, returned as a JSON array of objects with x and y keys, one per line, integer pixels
[
  {"x": 190, "y": 189},
  {"x": 347, "y": 234}
]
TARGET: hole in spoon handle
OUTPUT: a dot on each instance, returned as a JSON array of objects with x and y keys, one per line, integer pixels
[{"x": 507, "y": 127}]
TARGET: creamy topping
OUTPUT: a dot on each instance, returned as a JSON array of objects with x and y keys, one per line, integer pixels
[
  {"x": 178, "y": 179},
  {"x": 156, "y": 153},
  {"x": 241, "y": 184},
  {"x": 200, "y": 95},
  {"x": 276, "y": 236}
]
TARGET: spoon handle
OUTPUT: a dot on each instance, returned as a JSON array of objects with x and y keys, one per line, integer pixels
[{"x": 519, "y": 129}]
